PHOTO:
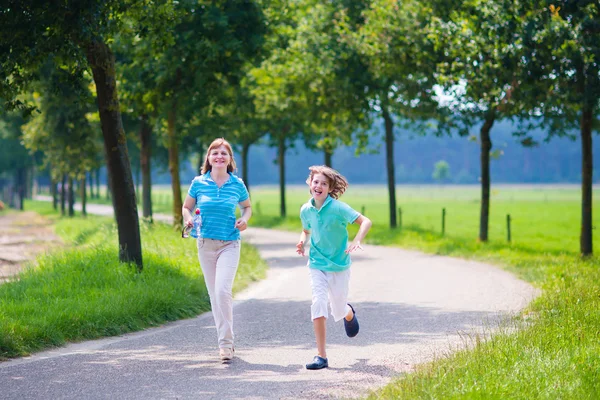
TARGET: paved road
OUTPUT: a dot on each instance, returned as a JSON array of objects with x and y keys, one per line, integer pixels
[{"x": 412, "y": 307}]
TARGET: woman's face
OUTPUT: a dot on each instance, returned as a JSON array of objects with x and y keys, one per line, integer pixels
[
  {"x": 219, "y": 157},
  {"x": 319, "y": 187}
]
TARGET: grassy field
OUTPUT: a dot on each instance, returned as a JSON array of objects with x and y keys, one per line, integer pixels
[
  {"x": 84, "y": 292},
  {"x": 555, "y": 352}
]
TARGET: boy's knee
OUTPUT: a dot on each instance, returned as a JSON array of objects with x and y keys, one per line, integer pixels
[{"x": 318, "y": 309}]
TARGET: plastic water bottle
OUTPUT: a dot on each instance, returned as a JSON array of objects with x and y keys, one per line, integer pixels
[
  {"x": 194, "y": 230},
  {"x": 197, "y": 224}
]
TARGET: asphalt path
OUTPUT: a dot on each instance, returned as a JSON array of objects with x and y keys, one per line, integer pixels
[{"x": 412, "y": 307}]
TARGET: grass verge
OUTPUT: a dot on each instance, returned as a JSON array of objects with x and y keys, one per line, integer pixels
[{"x": 84, "y": 292}]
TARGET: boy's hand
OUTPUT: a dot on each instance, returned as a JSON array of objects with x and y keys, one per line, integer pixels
[
  {"x": 353, "y": 247},
  {"x": 300, "y": 248}
]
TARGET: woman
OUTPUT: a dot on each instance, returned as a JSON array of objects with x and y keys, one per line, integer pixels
[{"x": 217, "y": 193}]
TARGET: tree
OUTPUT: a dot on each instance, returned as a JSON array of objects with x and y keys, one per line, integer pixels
[
  {"x": 80, "y": 32},
  {"x": 480, "y": 50},
  {"x": 211, "y": 41},
  {"x": 397, "y": 85},
  {"x": 275, "y": 89},
  {"x": 441, "y": 171},
  {"x": 15, "y": 159},
  {"x": 561, "y": 68},
  {"x": 60, "y": 129}
]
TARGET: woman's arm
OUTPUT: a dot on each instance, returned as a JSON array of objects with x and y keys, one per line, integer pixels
[
  {"x": 186, "y": 210},
  {"x": 242, "y": 221}
]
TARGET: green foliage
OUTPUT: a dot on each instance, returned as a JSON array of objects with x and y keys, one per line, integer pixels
[
  {"x": 441, "y": 171},
  {"x": 561, "y": 62},
  {"x": 13, "y": 155},
  {"x": 60, "y": 129}
]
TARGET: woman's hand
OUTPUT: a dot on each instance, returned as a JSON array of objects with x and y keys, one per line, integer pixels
[{"x": 241, "y": 224}]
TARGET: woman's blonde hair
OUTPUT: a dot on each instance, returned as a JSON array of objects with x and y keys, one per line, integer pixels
[
  {"x": 218, "y": 143},
  {"x": 337, "y": 183}
]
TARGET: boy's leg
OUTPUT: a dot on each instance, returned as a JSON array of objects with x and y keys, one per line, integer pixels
[
  {"x": 319, "y": 311},
  {"x": 320, "y": 327},
  {"x": 339, "y": 283}
]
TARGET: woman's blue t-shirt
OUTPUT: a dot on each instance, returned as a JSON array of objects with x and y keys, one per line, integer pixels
[{"x": 217, "y": 205}]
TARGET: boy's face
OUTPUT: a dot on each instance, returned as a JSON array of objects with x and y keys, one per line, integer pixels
[{"x": 319, "y": 187}]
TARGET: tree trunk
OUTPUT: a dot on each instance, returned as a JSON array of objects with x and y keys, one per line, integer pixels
[
  {"x": 145, "y": 154},
  {"x": 91, "y": 182},
  {"x": 138, "y": 182},
  {"x": 281, "y": 162},
  {"x": 54, "y": 193},
  {"x": 389, "y": 160},
  {"x": 83, "y": 185},
  {"x": 174, "y": 165},
  {"x": 587, "y": 165},
  {"x": 98, "y": 183},
  {"x": 21, "y": 186},
  {"x": 63, "y": 194},
  {"x": 71, "y": 196},
  {"x": 486, "y": 147},
  {"x": 245, "y": 152},
  {"x": 328, "y": 152},
  {"x": 102, "y": 63}
]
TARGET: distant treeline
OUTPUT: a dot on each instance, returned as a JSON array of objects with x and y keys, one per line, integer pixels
[{"x": 554, "y": 162}]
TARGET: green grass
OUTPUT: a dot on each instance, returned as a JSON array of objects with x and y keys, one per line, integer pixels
[{"x": 84, "y": 292}]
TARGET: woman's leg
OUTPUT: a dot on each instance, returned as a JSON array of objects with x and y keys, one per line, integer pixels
[
  {"x": 227, "y": 264},
  {"x": 207, "y": 255}
]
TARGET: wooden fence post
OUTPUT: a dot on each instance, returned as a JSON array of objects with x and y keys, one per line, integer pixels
[
  {"x": 508, "y": 227},
  {"x": 399, "y": 217},
  {"x": 443, "y": 221}
]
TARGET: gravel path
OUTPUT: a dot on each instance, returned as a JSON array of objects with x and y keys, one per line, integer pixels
[{"x": 411, "y": 306}]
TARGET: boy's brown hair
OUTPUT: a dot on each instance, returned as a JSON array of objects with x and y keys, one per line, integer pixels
[{"x": 337, "y": 183}]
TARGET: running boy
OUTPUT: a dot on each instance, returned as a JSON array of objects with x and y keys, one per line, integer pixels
[{"x": 325, "y": 219}]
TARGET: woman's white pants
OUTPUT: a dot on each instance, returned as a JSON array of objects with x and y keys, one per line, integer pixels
[{"x": 219, "y": 260}]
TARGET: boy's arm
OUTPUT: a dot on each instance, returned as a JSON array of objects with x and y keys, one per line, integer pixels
[
  {"x": 365, "y": 224},
  {"x": 303, "y": 237}
]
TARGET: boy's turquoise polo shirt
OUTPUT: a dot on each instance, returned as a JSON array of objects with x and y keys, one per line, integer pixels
[
  {"x": 328, "y": 233},
  {"x": 217, "y": 205}
]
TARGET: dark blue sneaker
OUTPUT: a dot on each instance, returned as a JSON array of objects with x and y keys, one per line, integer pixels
[
  {"x": 352, "y": 325},
  {"x": 317, "y": 363}
]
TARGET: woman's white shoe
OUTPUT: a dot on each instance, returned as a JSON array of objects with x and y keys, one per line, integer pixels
[{"x": 225, "y": 353}]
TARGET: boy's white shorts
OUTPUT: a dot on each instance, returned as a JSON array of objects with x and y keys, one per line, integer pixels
[{"x": 332, "y": 288}]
